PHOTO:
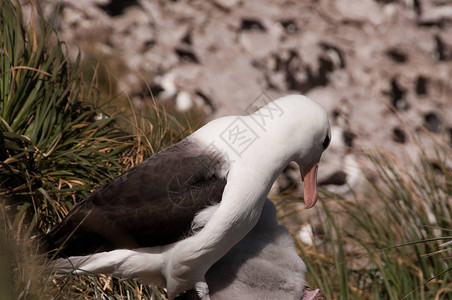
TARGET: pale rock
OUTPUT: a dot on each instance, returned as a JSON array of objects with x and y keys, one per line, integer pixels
[{"x": 183, "y": 101}]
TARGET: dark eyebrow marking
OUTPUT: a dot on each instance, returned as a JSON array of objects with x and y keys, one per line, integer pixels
[{"x": 326, "y": 142}]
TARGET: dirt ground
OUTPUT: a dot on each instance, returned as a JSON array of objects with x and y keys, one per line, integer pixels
[{"x": 382, "y": 69}]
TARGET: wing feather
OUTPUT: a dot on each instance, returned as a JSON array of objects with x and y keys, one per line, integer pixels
[{"x": 151, "y": 204}]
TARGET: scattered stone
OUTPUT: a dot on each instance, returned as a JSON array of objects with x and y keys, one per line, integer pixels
[
  {"x": 148, "y": 45},
  {"x": 450, "y": 136},
  {"x": 206, "y": 101},
  {"x": 116, "y": 7},
  {"x": 153, "y": 90},
  {"x": 187, "y": 55},
  {"x": 433, "y": 122},
  {"x": 398, "y": 135},
  {"x": 337, "y": 178},
  {"x": 396, "y": 95},
  {"x": 183, "y": 101},
  {"x": 306, "y": 235},
  {"x": 443, "y": 51},
  {"x": 251, "y": 25},
  {"x": 187, "y": 39},
  {"x": 348, "y": 138},
  {"x": 421, "y": 86},
  {"x": 397, "y": 55},
  {"x": 226, "y": 5},
  {"x": 290, "y": 26},
  {"x": 339, "y": 53}
]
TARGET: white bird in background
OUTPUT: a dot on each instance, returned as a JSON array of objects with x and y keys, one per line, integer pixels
[{"x": 172, "y": 217}]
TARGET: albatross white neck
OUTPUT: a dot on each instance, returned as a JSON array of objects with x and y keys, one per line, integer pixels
[{"x": 257, "y": 148}]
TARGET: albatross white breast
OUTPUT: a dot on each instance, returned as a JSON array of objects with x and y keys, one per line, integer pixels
[{"x": 170, "y": 218}]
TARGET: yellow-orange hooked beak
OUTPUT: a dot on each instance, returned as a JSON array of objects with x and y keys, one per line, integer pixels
[{"x": 309, "y": 177}]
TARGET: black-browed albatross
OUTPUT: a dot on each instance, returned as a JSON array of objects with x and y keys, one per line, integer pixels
[{"x": 171, "y": 217}]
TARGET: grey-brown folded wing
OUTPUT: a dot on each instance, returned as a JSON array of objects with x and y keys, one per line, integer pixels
[{"x": 151, "y": 204}]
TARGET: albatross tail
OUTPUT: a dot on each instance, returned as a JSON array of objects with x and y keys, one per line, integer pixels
[{"x": 144, "y": 263}]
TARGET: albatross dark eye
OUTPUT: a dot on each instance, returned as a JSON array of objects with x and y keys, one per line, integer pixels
[{"x": 326, "y": 142}]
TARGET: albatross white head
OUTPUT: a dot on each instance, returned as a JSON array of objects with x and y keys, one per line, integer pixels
[
  {"x": 291, "y": 128},
  {"x": 309, "y": 136}
]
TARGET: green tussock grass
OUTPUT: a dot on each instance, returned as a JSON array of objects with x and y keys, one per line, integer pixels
[
  {"x": 390, "y": 242},
  {"x": 61, "y": 136}
]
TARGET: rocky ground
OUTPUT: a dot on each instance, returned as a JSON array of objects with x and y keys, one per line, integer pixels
[{"x": 381, "y": 68}]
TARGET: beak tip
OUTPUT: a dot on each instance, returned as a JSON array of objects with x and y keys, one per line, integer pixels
[
  {"x": 310, "y": 203},
  {"x": 310, "y": 187}
]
